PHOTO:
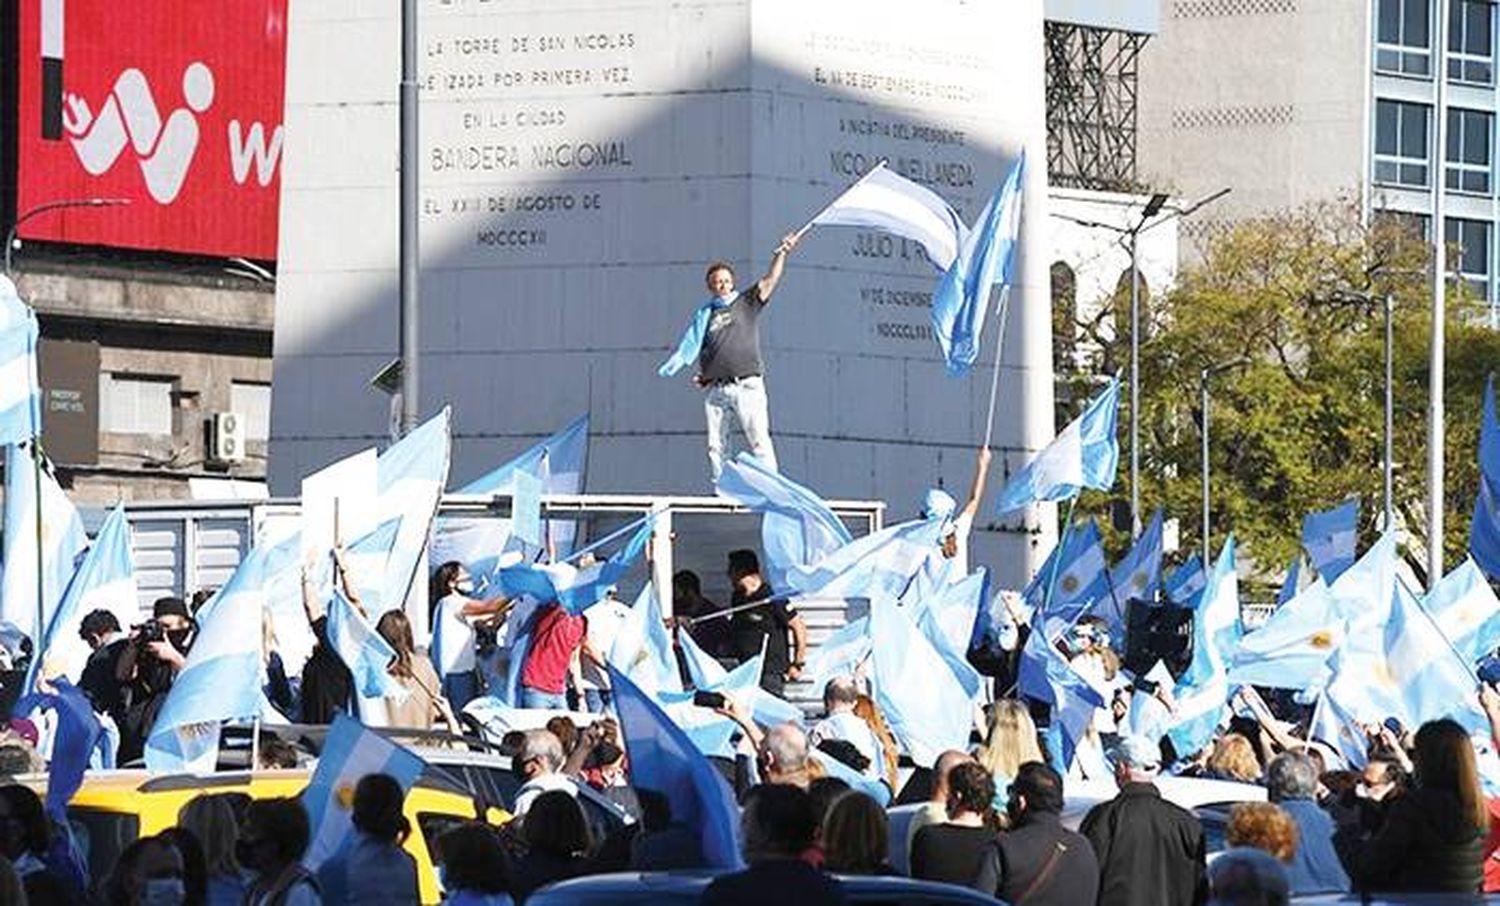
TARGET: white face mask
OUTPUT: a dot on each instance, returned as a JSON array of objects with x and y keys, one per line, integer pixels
[
  {"x": 163, "y": 892},
  {"x": 464, "y": 585}
]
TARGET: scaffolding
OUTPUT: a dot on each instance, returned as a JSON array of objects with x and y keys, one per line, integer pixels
[{"x": 1091, "y": 106}]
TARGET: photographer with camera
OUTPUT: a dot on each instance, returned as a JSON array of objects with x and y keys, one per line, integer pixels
[{"x": 156, "y": 652}]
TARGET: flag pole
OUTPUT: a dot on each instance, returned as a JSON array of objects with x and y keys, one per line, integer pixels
[
  {"x": 880, "y": 164},
  {"x": 989, "y": 419},
  {"x": 41, "y": 607}
]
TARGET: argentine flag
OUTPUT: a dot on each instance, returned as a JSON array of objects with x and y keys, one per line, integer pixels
[
  {"x": 104, "y": 581},
  {"x": 886, "y": 201},
  {"x": 1083, "y": 455},
  {"x": 20, "y": 393},
  {"x": 1292, "y": 649},
  {"x": 1467, "y": 612},
  {"x": 798, "y": 528},
  {"x": 927, "y": 707},
  {"x": 221, "y": 680},
  {"x": 642, "y": 649},
  {"x": 839, "y": 653},
  {"x": 1202, "y": 692},
  {"x": 1329, "y": 537},
  {"x": 62, "y": 542},
  {"x": 350, "y": 751},
  {"x": 878, "y": 565},
  {"x": 411, "y": 476},
  {"x": 558, "y": 462}
]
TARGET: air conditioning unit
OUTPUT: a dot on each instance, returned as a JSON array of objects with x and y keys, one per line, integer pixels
[{"x": 226, "y": 437}]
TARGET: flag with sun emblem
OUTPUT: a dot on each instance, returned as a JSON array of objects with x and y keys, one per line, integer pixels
[
  {"x": 1291, "y": 650},
  {"x": 350, "y": 751},
  {"x": 1135, "y": 578},
  {"x": 1073, "y": 578},
  {"x": 1465, "y": 608}
]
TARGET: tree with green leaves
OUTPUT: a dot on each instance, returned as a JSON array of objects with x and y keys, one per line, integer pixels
[{"x": 1286, "y": 313}]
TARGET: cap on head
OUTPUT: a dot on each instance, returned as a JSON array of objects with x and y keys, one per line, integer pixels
[
  {"x": 1137, "y": 753},
  {"x": 170, "y": 607},
  {"x": 938, "y": 504}
]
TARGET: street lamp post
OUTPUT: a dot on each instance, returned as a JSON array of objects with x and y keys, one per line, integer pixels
[
  {"x": 10, "y": 237},
  {"x": 1203, "y": 450},
  {"x": 1129, "y": 237}
]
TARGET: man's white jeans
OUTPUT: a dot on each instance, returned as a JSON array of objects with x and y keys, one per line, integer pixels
[{"x": 743, "y": 400}]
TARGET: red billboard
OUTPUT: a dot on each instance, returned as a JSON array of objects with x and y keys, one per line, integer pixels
[{"x": 175, "y": 106}]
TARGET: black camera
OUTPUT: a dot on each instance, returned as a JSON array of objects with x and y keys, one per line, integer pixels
[{"x": 150, "y": 631}]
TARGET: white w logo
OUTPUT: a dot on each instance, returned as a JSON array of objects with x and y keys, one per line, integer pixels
[{"x": 252, "y": 148}]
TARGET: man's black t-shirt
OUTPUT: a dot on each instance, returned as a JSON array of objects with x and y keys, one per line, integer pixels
[
  {"x": 769, "y": 622},
  {"x": 99, "y": 683},
  {"x": 731, "y": 345}
]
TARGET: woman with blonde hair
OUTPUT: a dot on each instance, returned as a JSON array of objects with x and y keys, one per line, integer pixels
[
  {"x": 1233, "y": 758},
  {"x": 212, "y": 820},
  {"x": 1010, "y": 742},
  {"x": 866, "y": 710},
  {"x": 1264, "y": 826},
  {"x": 424, "y": 702}
]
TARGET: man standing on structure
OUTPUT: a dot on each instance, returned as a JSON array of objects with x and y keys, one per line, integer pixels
[{"x": 724, "y": 342}]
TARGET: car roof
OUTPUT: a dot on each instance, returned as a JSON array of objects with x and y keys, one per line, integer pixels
[{"x": 688, "y": 886}]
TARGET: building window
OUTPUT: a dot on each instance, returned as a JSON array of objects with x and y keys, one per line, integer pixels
[
  {"x": 1471, "y": 44},
  {"x": 1404, "y": 40},
  {"x": 253, "y": 403},
  {"x": 129, "y": 404},
  {"x": 1470, "y": 262},
  {"x": 1468, "y": 156},
  {"x": 1401, "y": 143}
]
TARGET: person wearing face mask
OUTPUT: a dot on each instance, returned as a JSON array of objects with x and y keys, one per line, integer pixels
[
  {"x": 149, "y": 872},
  {"x": 157, "y": 652},
  {"x": 1038, "y": 861},
  {"x": 272, "y": 840},
  {"x": 454, "y": 614},
  {"x": 40, "y": 859}
]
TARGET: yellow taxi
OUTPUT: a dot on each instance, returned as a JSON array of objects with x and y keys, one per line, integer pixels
[{"x": 115, "y": 808}]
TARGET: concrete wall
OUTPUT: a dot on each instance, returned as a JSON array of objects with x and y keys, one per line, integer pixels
[
  {"x": 1266, "y": 96},
  {"x": 581, "y": 163}
]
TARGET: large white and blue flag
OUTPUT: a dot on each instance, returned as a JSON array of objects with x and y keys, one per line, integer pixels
[
  {"x": 708, "y": 674},
  {"x": 664, "y": 759},
  {"x": 1467, "y": 611},
  {"x": 1202, "y": 691},
  {"x": 1046, "y": 676},
  {"x": 927, "y": 708},
  {"x": 1365, "y": 596},
  {"x": 875, "y": 566},
  {"x": 222, "y": 678},
  {"x": 411, "y": 476},
  {"x": 363, "y": 650},
  {"x": 105, "y": 580},
  {"x": 20, "y": 393},
  {"x": 350, "y": 751},
  {"x": 797, "y": 528},
  {"x": 1292, "y": 649},
  {"x": 642, "y": 648},
  {"x": 1135, "y": 577},
  {"x": 957, "y": 607},
  {"x": 1434, "y": 680},
  {"x": 1329, "y": 536},
  {"x": 1064, "y": 591},
  {"x": 840, "y": 653},
  {"x": 62, "y": 541},
  {"x": 1289, "y": 584},
  {"x": 985, "y": 257},
  {"x": 559, "y": 462},
  {"x": 579, "y": 588},
  {"x": 1082, "y": 455},
  {"x": 886, "y": 201}
]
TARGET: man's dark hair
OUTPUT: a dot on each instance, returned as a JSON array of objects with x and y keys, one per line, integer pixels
[
  {"x": 282, "y": 823},
  {"x": 97, "y": 622},
  {"x": 743, "y": 562},
  {"x": 170, "y": 606},
  {"x": 555, "y": 826},
  {"x": 840, "y": 691},
  {"x": 778, "y": 822},
  {"x": 473, "y": 859},
  {"x": 971, "y": 785},
  {"x": 824, "y": 792},
  {"x": 377, "y": 809},
  {"x": 1041, "y": 786},
  {"x": 717, "y": 266},
  {"x": 656, "y": 809},
  {"x": 685, "y": 581}
]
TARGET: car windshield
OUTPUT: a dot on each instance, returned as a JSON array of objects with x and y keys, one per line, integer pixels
[{"x": 101, "y": 836}]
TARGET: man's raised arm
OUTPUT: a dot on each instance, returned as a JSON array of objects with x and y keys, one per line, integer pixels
[{"x": 767, "y": 284}]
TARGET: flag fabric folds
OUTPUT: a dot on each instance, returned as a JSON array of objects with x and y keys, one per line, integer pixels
[
  {"x": 20, "y": 392},
  {"x": 1329, "y": 536},
  {"x": 642, "y": 649},
  {"x": 662, "y": 758},
  {"x": 840, "y": 653},
  {"x": 985, "y": 257},
  {"x": 350, "y": 751},
  {"x": 1135, "y": 577},
  {"x": 363, "y": 650},
  {"x": 879, "y": 565},
  {"x": 1289, "y": 585},
  {"x": 62, "y": 541},
  {"x": 1081, "y": 577},
  {"x": 886, "y": 201},
  {"x": 1184, "y": 584},
  {"x": 558, "y": 462},
  {"x": 577, "y": 589},
  {"x": 690, "y": 344},
  {"x": 105, "y": 580},
  {"x": 797, "y": 527},
  {"x": 926, "y": 706},
  {"x": 1466, "y": 610},
  {"x": 75, "y": 736},
  {"x": 1202, "y": 691},
  {"x": 1292, "y": 649},
  {"x": 1083, "y": 455},
  {"x": 411, "y": 476},
  {"x": 1046, "y": 676},
  {"x": 221, "y": 680}
]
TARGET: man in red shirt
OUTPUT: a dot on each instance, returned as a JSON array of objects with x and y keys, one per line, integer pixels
[{"x": 552, "y": 659}]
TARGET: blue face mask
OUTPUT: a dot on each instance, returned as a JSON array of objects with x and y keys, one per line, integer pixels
[{"x": 163, "y": 892}]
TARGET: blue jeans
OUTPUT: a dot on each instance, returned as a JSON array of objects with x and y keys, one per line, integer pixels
[
  {"x": 536, "y": 698},
  {"x": 596, "y": 700},
  {"x": 460, "y": 689}
]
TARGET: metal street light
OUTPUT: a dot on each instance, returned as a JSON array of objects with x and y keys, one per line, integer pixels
[
  {"x": 1129, "y": 236},
  {"x": 10, "y": 237}
]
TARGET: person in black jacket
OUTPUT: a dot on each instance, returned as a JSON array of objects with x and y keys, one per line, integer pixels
[
  {"x": 1433, "y": 837},
  {"x": 777, "y": 826},
  {"x": 1038, "y": 861},
  {"x": 1150, "y": 852}
]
